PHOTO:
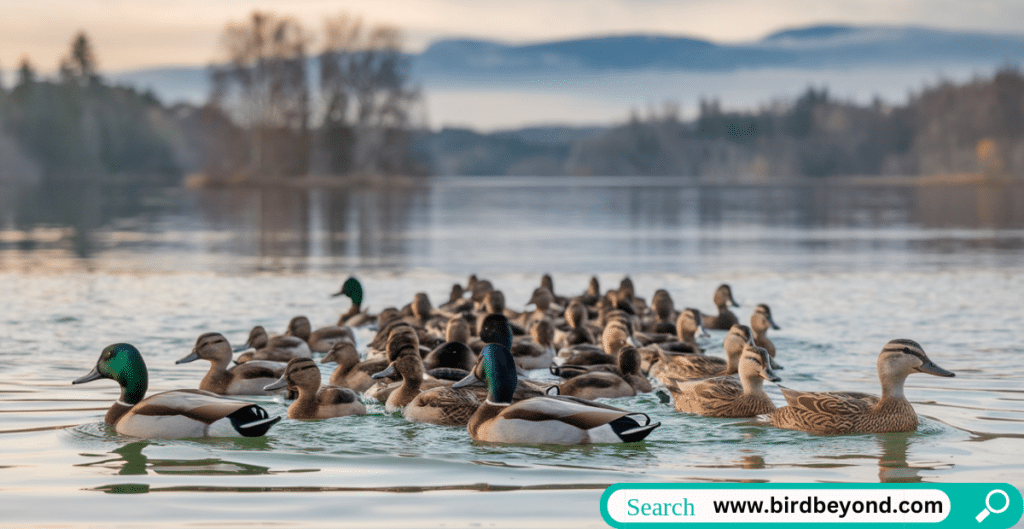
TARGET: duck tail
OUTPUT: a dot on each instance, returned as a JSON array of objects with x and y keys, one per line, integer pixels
[
  {"x": 630, "y": 430},
  {"x": 252, "y": 421}
]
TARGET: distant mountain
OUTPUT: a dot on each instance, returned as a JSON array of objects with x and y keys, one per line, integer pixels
[
  {"x": 803, "y": 47},
  {"x": 886, "y": 60}
]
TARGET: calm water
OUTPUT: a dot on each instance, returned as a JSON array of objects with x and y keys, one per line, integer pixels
[{"x": 845, "y": 269}]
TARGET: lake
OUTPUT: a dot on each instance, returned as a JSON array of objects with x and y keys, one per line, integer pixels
[{"x": 844, "y": 267}]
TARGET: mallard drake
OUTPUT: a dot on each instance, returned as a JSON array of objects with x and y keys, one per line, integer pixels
[
  {"x": 725, "y": 318},
  {"x": 351, "y": 373},
  {"x": 760, "y": 321},
  {"x": 248, "y": 378},
  {"x": 172, "y": 414},
  {"x": 543, "y": 419},
  {"x": 690, "y": 366},
  {"x": 315, "y": 402},
  {"x": 726, "y": 396},
  {"x": 319, "y": 340},
  {"x": 838, "y": 412},
  {"x": 355, "y": 317}
]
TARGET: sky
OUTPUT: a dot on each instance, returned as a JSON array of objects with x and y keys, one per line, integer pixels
[{"x": 145, "y": 33}]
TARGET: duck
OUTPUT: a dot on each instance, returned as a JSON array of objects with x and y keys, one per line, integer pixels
[
  {"x": 314, "y": 401},
  {"x": 453, "y": 352},
  {"x": 725, "y": 318},
  {"x": 319, "y": 340},
  {"x": 628, "y": 369},
  {"x": 725, "y": 396},
  {"x": 663, "y": 313},
  {"x": 691, "y": 366},
  {"x": 275, "y": 349},
  {"x": 355, "y": 317},
  {"x": 351, "y": 373},
  {"x": 539, "y": 352},
  {"x": 840, "y": 413},
  {"x": 760, "y": 321},
  {"x": 248, "y": 378},
  {"x": 606, "y": 381},
  {"x": 176, "y": 414},
  {"x": 545, "y": 419},
  {"x": 575, "y": 330}
]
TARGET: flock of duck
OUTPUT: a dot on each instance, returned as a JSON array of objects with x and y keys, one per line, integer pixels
[{"x": 468, "y": 363}]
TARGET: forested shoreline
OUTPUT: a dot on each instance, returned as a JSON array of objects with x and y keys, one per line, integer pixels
[{"x": 282, "y": 110}]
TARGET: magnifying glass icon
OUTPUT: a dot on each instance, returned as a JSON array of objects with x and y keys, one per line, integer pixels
[{"x": 988, "y": 506}]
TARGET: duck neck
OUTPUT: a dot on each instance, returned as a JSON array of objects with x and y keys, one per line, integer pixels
[
  {"x": 752, "y": 385},
  {"x": 892, "y": 388},
  {"x": 134, "y": 389}
]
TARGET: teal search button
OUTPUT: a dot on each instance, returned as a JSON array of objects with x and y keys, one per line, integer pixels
[{"x": 812, "y": 504}]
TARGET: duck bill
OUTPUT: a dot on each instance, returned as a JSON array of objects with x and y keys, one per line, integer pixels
[
  {"x": 768, "y": 374},
  {"x": 192, "y": 357},
  {"x": 702, "y": 332},
  {"x": 280, "y": 383},
  {"x": 93, "y": 375},
  {"x": 775, "y": 365},
  {"x": 331, "y": 356},
  {"x": 772, "y": 323},
  {"x": 241, "y": 348},
  {"x": 338, "y": 293},
  {"x": 933, "y": 369},
  {"x": 468, "y": 381},
  {"x": 389, "y": 372}
]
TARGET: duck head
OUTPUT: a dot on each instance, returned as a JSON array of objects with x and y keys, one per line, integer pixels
[
  {"x": 723, "y": 296},
  {"x": 496, "y": 329},
  {"x": 353, "y": 289},
  {"x": 497, "y": 368},
  {"x": 210, "y": 346},
  {"x": 299, "y": 327},
  {"x": 689, "y": 323},
  {"x": 761, "y": 320},
  {"x": 300, "y": 373},
  {"x": 756, "y": 363},
  {"x": 122, "y": 363}
]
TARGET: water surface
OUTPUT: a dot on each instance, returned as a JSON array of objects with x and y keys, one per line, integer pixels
[{"x": 844, "y": 268}]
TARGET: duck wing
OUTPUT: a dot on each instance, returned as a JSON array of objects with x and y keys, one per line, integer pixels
[
  {"x": 830, "y": 402},
  {"x": 259, "y": 369},
  {"x": 187, "y": 413}
]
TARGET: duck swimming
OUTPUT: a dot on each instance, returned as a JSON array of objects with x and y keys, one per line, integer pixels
[
  {"x": 175, "y": 414},
  {"x": 760, "y": 321},
  {"x": 314, "y": 401},
  {"x": 836, "y": 412},
  {"x": 248, "y": 378},
  {"x": 726, "y": 396},
  {"x": 725, "y": 318},
  {"x": 543, "y": 419}
]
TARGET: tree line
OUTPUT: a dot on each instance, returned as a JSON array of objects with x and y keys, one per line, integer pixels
[{"x": 285, "y": 103}]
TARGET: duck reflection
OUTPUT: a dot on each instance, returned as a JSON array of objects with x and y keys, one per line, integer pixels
[
  {"x": 132, "y": 461},
  {"x": 892, "y": 463}
]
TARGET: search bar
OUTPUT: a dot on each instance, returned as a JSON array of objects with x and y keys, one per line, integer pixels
[{"x": 981, "y": 505}]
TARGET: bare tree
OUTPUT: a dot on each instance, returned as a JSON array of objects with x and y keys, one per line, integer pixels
[
  {"x": 264, "y": 87},
  {"x": 367, "y": 98}
]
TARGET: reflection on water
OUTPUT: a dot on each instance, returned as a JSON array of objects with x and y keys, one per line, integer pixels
[
  {"x": 132, "y": 461},
  {"x": 548, "y": 224}
]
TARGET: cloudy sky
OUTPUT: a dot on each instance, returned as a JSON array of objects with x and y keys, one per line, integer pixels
[{"x": 140, "y": 33}]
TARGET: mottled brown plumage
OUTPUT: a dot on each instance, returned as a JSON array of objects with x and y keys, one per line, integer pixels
[
  {"x": 726, "y": 396},
  {"x": 832, "y": 413},
  {"x": 314, "y": 401}
]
